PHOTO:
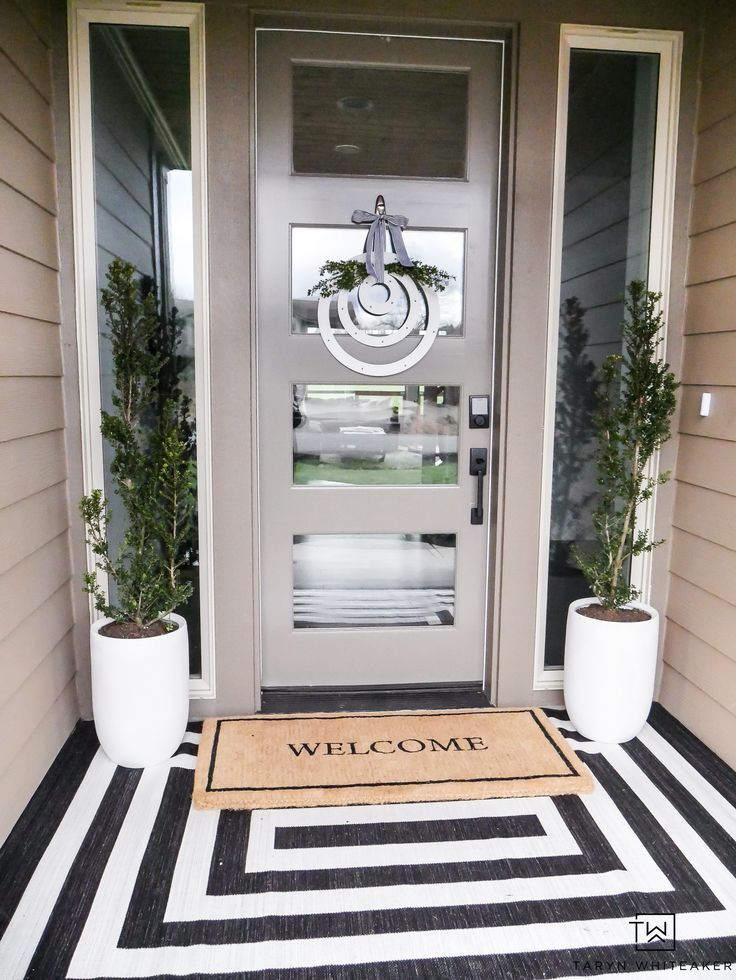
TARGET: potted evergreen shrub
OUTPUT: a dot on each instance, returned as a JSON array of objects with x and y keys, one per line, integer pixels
[
  {"x": 611, "y": 638},
  {"x": 140, "y": 649}
]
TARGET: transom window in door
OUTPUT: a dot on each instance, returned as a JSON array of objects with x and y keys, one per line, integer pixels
[{"x": 374, "y": 121}]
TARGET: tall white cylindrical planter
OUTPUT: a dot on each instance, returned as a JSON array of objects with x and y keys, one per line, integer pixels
[
  {"x": 140, "y": 694},
  {"x": 609, "y": 673}
]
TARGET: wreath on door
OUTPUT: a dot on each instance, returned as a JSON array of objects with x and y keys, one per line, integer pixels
[{"x": 409, "y": 296}]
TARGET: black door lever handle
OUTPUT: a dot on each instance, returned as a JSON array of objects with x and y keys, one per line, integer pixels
[{"x": 479, "y": 468}]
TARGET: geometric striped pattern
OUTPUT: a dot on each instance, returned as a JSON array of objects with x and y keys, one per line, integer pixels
[
  {"x": 122, "y": 878},
  {"x": 335, "y": 608}
]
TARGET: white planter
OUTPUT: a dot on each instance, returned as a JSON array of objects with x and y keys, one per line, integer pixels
[
  {"x": 140, "y": 694},
  {"x": 609, "y": 673}
]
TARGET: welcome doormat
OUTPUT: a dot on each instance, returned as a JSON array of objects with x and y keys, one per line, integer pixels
[{"x": 274, "y": 761}]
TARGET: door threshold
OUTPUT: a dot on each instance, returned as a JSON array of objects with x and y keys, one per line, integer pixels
[{"x": 289, "y": 700}]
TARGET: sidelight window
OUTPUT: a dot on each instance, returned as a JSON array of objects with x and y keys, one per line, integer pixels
[
  {"x": 613, "y": 199},
  {"x": 138, "y": 184}
]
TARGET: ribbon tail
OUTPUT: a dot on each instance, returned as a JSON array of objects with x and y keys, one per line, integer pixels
[
  {"x": 369, "y": 250},
  {"x": 378, "y": 262},
  {"x": 374, "y": 249},
  {"x": 397, "y": 242}
]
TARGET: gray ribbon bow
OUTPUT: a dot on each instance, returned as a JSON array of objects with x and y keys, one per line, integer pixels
[{"x": 375, "y": 243}]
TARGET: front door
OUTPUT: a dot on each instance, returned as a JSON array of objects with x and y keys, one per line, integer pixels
[{"x": 373, "y": 529}]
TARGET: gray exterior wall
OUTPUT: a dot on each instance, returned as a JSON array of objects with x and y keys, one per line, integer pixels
[
  {"x": 38, "y": 704},
  {"x": 699, "y": 674}
]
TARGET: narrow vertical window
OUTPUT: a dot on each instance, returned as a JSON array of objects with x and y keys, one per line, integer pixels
[
  {"x": 612, "y": 200},
  {"x": 605, "y": 244},
  {"x": 137, "y": 117},
  {"x": 143, "y": 210}
]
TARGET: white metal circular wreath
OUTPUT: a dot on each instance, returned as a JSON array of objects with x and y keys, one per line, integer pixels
[{"x": 398, "y": 286}]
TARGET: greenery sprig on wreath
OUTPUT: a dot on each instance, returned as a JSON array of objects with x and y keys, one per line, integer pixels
[{"x": 350, "y": 273}]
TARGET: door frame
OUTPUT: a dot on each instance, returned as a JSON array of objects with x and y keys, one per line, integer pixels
[{"x": 506, "y": 35}]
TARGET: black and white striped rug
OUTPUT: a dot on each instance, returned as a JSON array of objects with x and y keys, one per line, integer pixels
[{"x": 111, "y": 874}]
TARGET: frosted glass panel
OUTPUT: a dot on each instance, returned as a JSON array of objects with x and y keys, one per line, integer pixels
[
  {"x": 375, "y": 435},
  {"x": 368, "y": 581}
]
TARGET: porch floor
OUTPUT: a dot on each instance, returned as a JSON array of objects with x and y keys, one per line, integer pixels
[{"x": 110, "y": 873}]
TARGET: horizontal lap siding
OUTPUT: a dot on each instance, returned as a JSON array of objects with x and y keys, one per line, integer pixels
[
  {"x": 720, "y": 424},
  {"x": 709, "y": 305},
  {"x": 123, "y": 169},
  {"x": 700, "y": 713},
  {"x": 29, "y": 406},
  {"x": 714, "y": 203},
  {"x": 25, "y": 168},
  {"x": 710, "y": 514},
  {"x": 31, "y": 523},
  {"x": 38, "y": 706},
  {"x": 32, "y": 233},
  {"x": 699, "y": 675},
  {"x": 26, "y": 769},
  {"x": 29, "y": 288},
  {"x": 30, "y": 348}
]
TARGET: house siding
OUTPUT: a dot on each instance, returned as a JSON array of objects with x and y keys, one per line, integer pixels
[
  {"x": 699, "y": 671},
  {"x": 123, "y": 166},
  {"x": 38, "y": 704}
]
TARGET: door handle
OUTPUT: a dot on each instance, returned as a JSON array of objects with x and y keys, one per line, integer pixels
[{"x": 479, "y": 468}]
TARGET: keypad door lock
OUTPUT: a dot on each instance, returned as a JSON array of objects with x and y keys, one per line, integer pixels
[{"x": 479, "y": 412}]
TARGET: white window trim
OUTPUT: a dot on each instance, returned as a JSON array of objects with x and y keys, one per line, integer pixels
[
  {"x": 668, "y": 45},
  {"x": 81, "y": 14}
]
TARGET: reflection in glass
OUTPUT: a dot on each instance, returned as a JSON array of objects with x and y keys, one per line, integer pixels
[
  {"x": 375, "y": 435},
  {"x": 612, "y": 106},
  {"x": 372, "y": 580},
  {"x": 400, "y": 122},
  {"x": 312, "y": 246},
  {"x": 143, "y": 191}
]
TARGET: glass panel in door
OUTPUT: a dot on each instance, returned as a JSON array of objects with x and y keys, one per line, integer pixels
[
  {"x": 380, "y": 434},
  {"x": 372, "y": 572}
]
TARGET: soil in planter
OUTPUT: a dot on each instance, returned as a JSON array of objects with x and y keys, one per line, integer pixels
[
  {"x": 594, "y": 611},
  {"x": 129, "y": 631}
]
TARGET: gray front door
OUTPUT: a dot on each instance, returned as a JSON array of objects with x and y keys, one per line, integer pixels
[{"x": 371, "y": 570}]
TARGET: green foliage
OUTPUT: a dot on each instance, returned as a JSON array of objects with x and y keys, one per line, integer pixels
[
  {"x": 636, "y": 402},
  {"x": 172, "y": 367},
  {"x": 577, "y": 398},
  {"x": 153, "y": 468},
  {"x": 351, "y": 273}
]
